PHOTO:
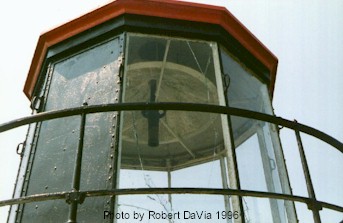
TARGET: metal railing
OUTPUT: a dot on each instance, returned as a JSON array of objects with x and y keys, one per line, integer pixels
[{"x": 75, "y": 197}]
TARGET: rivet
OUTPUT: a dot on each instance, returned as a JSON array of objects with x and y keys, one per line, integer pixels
[
  {"x": 36, "y": 206},
  {"x": 111, "y": 156},
  {"x": 118, "y": 82},
  {"x": 108, "y": 202},
  {"x": 55, "y": 167},
  {"x": 117, "y": 90},
  {"x": 110, "y": 167},
  {"x": 46, "y": 187},
  {"x": 109, "y": 177}
]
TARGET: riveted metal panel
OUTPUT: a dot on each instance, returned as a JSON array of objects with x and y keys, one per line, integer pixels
[{"x": 89, "y": 77}]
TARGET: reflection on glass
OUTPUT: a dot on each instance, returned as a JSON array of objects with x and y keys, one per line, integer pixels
[
  {"x": 260, "y": 159},
  {"x": 244, "y": 90},
  {"x": 169, "y": 70},
  {"x": 172, "y": 149}
]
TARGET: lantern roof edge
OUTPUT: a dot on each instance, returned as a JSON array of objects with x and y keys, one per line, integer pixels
[{"x": 167, "y": 9}]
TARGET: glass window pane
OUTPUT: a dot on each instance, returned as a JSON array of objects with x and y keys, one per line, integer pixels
[
  {"x": 260, "y": 158},
  {"x": 189, "y": 153},
  {"x": 244, "y": 90},
  {"x": 172, "y": 149},
  {"x": 261, "y": 168},
  {"x": 250, "y": 165},
  {"x": 207, "y": 175},
  {"x": 169, "y": 70},
  {"x": 258, "y": 210}
]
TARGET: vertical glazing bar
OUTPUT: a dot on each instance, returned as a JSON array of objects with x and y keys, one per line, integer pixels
[
  {"x": 235, "y": 167},
  {"x": 279, "y": 158},
  {"x": 77, "y": 172},
  {"x": 225, "y": 186},
  {"x": 169, "y": 184},
  {"x": 116, "y": 160},
  {"x": 268, "y": 173},
  {"x": 237, "y": 202},
  {"x": 314, "y": 208},
  {"x": 119, "y": 120}
]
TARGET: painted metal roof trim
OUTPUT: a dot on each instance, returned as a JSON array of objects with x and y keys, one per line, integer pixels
[{"x": 169, "y": 9}]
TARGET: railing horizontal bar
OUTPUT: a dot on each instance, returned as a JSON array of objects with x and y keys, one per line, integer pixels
[
  {"x": 173, "y": 106},
  {"x": 140, "y": 191}
]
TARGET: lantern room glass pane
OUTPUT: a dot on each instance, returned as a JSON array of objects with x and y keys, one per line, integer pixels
[
  {"x": 260, "y": 158},
  {"x": 243, "y": 89},
  {"x": 178, "y": 70},
  {"x": 164, "y": 69},
  {"x": 168, "y": 69},
  {"x": 172, "y": 149}
]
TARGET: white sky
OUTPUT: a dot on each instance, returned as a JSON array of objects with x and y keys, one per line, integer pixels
[{"x": 306, "y": 36}]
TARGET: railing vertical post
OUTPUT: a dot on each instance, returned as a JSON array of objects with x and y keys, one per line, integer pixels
[
  {"x": 74, "y": 200},
  {"x": 313, "y": 206}
]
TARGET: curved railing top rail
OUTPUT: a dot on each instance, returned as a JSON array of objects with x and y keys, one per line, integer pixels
[
  {"x": 312, "y": 203},
  {"x": 189, "y": 190},
  {"x": 176, "y": 107}
]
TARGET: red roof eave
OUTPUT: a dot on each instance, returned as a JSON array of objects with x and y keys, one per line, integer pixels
[{"x": 156, "y": 8}]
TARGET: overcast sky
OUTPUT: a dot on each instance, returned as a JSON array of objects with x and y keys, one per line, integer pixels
[{"x": 306, "y": 36}]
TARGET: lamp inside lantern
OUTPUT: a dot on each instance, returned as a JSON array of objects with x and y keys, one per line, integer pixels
[{"x": 169, "y": 70}]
